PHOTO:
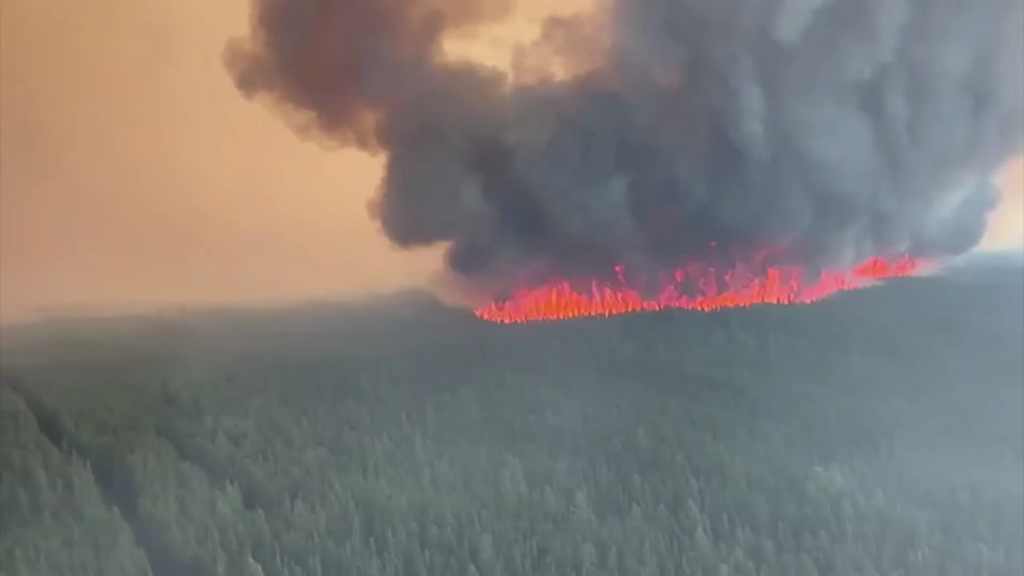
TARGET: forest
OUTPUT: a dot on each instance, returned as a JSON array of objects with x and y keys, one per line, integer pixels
[{"x": 880, "y": 432}]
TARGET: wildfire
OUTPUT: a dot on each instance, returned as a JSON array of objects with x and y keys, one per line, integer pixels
[{"x": 777, "y": 285}]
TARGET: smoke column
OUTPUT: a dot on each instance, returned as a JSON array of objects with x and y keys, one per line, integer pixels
[{"x": 830, "y": 130}]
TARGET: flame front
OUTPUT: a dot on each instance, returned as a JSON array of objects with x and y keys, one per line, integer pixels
[{"x": 777, "y": 285}]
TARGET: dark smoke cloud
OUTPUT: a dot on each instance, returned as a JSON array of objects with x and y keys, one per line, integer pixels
[{"x": 838, "y": 128}]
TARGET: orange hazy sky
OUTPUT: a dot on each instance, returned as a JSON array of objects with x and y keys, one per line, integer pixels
[{"x": 132, "y": 174}]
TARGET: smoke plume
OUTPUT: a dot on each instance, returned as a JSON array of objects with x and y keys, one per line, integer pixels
[{"x": 834, "y": 129}]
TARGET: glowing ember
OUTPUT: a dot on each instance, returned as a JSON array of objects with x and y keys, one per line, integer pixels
[{"x": 778, "y": 285}]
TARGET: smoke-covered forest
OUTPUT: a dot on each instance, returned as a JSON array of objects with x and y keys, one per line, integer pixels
[{"x": 877, "y": 433}]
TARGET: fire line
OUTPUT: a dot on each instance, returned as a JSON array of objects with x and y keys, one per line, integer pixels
[{"x": 777, "y": 285}]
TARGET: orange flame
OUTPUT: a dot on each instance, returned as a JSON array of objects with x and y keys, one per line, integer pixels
[{"x": 778, "y": 285}]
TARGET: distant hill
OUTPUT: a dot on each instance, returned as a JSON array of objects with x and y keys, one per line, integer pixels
[{"x": 878, "y": 432}]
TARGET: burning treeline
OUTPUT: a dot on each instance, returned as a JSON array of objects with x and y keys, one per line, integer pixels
[{"x": 659, "y": 135}]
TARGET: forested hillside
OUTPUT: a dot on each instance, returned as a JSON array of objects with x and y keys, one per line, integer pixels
[{"x": 877, "y": 433}]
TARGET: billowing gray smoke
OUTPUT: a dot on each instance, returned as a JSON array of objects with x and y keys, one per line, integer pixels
[{"x": 838, "y": 128}]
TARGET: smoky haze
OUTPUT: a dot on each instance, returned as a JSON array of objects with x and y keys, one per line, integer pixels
[
  {"x": 836, "y": 129},
  {"x": 133, "y": 177}
]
